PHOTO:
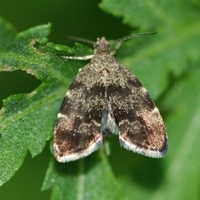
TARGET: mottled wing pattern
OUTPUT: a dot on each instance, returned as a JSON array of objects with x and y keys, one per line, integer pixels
[
  {"x": 141, "y": 128},
  {"x": 77, "y": 130}
]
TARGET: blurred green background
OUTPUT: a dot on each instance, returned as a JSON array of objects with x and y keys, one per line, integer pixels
[{"x": 75, "y": 18}]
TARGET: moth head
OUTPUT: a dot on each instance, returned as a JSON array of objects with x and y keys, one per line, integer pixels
[{"x": 102, "y": 46}]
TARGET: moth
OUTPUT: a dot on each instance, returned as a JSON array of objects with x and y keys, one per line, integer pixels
[{"x": 106, "y": 98}]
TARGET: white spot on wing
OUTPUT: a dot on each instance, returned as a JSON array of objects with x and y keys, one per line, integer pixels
[
  {"x": 143, "y": 89},
  {"x": 155, "y": 110},
  {"x": 68, "y": 94},
  {"x": 60, "y": 115}
]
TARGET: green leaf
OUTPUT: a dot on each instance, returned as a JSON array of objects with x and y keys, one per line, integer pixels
[
  {"x": 181, "y": 180},
  {"x": 89, "y": 178},
  {"x": 27, "y": 119}
]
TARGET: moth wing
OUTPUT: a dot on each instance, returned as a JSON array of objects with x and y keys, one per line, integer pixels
[
  {"x": 77, "y": 129},
  {"x": 141, "y": 127}
]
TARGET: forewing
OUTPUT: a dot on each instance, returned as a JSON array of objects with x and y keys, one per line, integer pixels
[
  {"x": 77, "y": 129},
  {"x": 141, "y": 128}
]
